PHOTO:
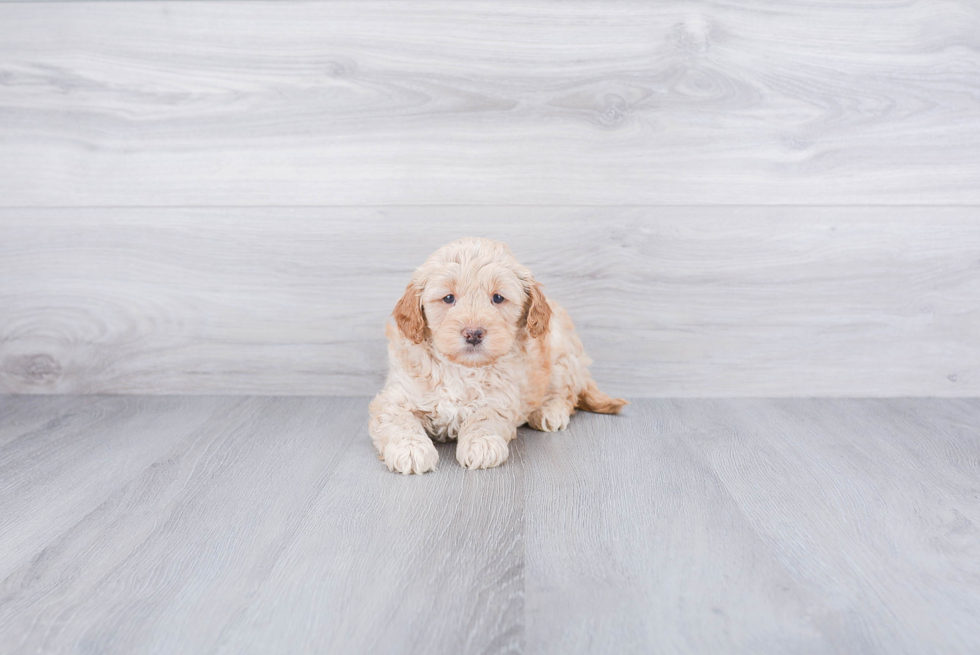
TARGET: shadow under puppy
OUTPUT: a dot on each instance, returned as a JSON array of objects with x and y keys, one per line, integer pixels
[{"x": 475, "y": 351}]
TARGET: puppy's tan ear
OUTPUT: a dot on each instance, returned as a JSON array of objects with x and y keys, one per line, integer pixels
[
  {"x": 408, "y": 314},
  {"x": 538, "y": 312}
]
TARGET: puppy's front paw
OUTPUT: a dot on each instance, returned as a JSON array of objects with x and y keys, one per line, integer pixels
[
  {"x": 482, "y": 451},
  {"x": 550, "y": 417},
  {"x": 407, "y": 456}
]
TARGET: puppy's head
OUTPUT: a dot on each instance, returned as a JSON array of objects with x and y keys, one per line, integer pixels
[{"x": 473, "y": 301}]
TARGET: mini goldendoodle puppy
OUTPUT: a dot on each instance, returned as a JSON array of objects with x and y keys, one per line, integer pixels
[{"x": 475, "y": 351}]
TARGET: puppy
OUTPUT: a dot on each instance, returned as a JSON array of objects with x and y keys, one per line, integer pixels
[{"x": 476, "y": 350}]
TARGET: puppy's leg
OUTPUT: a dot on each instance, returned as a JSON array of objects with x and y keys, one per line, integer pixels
[
  {"x": 566, "y": 368},
  {"x": 553, "y": 415},
  {"x": 400, "y": 439},
  {"x": 482, "y": 440}
]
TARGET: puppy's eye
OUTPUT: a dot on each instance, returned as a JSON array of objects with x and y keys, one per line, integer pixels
[
  {"x": 497, "y": 299},
  {"x": 450, "y": 299}
]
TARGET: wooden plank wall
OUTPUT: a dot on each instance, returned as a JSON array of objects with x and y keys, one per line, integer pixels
[{"x": 732, "y": 198}]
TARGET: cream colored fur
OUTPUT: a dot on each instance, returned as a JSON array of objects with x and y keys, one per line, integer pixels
[{"x": 529, "y": 368}]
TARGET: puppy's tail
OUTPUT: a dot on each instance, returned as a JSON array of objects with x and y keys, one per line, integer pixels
[{"x": 593, "y": 400}]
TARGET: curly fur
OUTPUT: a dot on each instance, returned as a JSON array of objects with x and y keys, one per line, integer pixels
[{"x": 529, "y": 368}]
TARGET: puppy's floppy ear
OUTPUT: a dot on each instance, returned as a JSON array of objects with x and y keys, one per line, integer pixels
[
  {"x": 408, "y": 314},
  {"x": 538, "y": 311}
]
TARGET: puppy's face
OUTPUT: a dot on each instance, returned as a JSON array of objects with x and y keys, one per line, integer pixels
[
  {"x": 473, "y": 301},
  {"x": 473, "y": 311}
]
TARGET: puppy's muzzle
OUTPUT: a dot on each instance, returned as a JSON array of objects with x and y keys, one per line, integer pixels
[{"x": 474, "y": 336}]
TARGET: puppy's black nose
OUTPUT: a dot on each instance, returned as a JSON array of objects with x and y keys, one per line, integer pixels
[{"x": 473, "y": 336}]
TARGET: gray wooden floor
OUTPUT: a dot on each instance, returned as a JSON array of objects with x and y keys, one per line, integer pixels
[{"x": 236, "y": 525}]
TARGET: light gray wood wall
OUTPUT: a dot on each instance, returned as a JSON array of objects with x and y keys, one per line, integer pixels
[
  {"x": 670, "y": 301},
  {"x": 511, "y": 102},
  {"x": 731, "y": 198}
]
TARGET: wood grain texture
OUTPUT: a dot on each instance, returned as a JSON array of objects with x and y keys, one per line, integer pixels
[
  {"x": 273, "y": 529},
  {"x": 858, "y": 478},
  {"x": 231, "y": 525},
  {"x": 517, "y": 102},
  {"x": 757, "y": 526},
  {"x": 677, "y": 301},
  {"x": 390, "y": 563},
  {"x": 84, "y": 452}
]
